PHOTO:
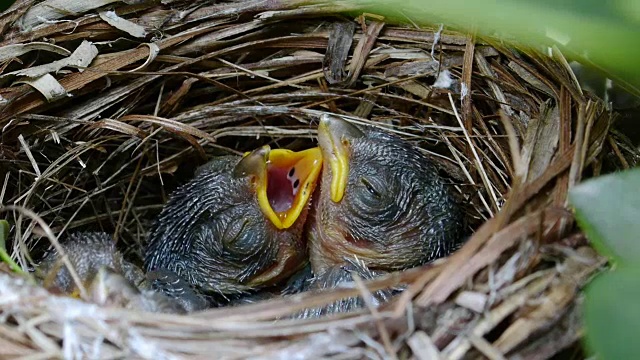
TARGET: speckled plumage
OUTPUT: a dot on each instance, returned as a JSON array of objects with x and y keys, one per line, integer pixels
[
  {"x": 342, "y": 276},
  {"x": 213, "y": 234},
  {"x": 175, "y": 287},
  {"x": 396, "y": 212}
]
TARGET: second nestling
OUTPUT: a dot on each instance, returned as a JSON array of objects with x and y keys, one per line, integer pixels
[
  {"x": 380, "y": 207},
  {"x": 381, "y": 200}
]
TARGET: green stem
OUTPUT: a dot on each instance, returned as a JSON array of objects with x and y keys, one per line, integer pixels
[{"x": 4, "y": 256}]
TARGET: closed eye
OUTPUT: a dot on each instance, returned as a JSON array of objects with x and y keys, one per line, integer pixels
[
  {"x": 234, "y": 234},
  {"x": 367, "y": 184}
]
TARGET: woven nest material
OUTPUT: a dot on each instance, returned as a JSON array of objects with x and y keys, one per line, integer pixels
[{"x": 105, "y": 113}]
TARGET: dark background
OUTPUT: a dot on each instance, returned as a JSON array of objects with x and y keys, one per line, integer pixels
[{"x": 4, "y": 4}]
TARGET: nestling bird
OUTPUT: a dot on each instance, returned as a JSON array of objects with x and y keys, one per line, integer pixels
[
  {"x": 111, "y": 280},
  {"x": 237, "y": 225},
  {"x": 380, "y": 200},
  {"x": 87, "y": 252}
]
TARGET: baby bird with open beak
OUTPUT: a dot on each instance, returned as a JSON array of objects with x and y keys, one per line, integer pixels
[
  {"x": 237, "y": 225},
  {"x": 380, "y": 200}
]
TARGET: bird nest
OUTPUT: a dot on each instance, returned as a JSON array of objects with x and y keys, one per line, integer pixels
[{"x": 106, "y": 110}]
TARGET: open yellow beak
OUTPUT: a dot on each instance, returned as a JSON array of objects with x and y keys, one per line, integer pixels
[
  {"x": 334, "y": 135},
  {"x": 283, "y": 179}
]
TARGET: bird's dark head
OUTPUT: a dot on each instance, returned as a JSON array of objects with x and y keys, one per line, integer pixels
[{"x": 380, "y": 199}]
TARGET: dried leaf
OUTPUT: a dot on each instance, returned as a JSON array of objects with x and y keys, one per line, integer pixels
[
  {"x": 361, "y": 53},
  {"x": 178, "y": 127},
  {"x": 154, "y": 50},
  {"x": 11, "y": 51},
  {"x": 80, "y": 58},
  {"x": 541, "y": 142},
  {"x": 47, "y": 85},
  {"x": 51, "y": 10},
  {"x": 530, "y": 78},
  {"x": 13, "y": 349},
  {"x": 429, "y": 67},
  {"x": 340, "y": 39},
  {"x": 125, "y": 25},
  {"x": 416, "y": 88},
  {"x": 211, "y": 39},
  {"x": 13, "y": 13},
  {"x": 599, "y": 126},
  {"x": 169, "y": 105},
  {"x": 119, "y": 126}
]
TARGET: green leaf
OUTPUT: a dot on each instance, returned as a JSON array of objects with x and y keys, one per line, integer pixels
[
  {"x": 4, "y": 233},
  {"x": 612, "y": 314},
  {"x": 4, "y": 255},
  {"x": 608, "y": 210}
]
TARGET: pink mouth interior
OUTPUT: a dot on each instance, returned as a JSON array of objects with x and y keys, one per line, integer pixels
[{"x": 280, "y": 189}]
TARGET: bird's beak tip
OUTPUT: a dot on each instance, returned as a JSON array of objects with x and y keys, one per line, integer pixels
[
  {"x": 334, "y": 136},
  {"x": 253, "y": 163}
]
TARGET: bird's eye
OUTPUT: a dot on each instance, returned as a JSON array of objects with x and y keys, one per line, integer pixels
[
  {"x": 238, "y": 239},
  {"x": 372, "y": 190}
]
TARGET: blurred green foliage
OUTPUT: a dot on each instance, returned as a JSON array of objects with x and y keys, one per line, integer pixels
[
  {"x": 612, "y": 314},
  {"x": 603, "y": 34},
  {"x": 608, "y": 210}
]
